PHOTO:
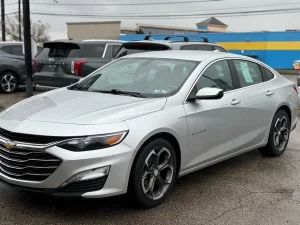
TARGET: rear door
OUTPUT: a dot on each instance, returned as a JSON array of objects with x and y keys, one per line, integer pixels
[
  {"x": 54, "y": 64},
  {"x": 259, "y": 100}
]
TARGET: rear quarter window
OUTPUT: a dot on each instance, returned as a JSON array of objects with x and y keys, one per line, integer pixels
[{"x": 267, "y": 74}]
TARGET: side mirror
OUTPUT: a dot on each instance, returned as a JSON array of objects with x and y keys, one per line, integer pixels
[{"x": 208, "y": 93}]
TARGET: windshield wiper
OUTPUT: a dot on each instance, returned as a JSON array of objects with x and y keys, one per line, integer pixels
[{"x": 119, "y": 92}]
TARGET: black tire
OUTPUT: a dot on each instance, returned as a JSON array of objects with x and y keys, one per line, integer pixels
[
  {"x": 137, "y": 186},
  {"x": 272, "y": 149},
  {"x": 8, "y": 86}
]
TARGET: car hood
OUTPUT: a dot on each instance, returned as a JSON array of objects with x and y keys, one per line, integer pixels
[{"x": 79, "y": 107}]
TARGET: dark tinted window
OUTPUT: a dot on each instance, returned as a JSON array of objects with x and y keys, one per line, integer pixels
[
  {"x": 188, "y": 47},
  {"x": 57, "y": 49},
  {"x": 204, "y": 48},
  {"x": 217, "y": 75},
  {"x": 248, "y": 73},
  {"x": 268, "y": 75},
  {"x": 220, "y": 49},
  {"x": 115, "y": 49},
  {"x": 13, "y": 49},
  {"x": 93, "y": 50}
]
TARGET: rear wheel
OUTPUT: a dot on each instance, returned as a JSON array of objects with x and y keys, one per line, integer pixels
[
  {"x": 154, "y": 173},
  {"x": 279, "y": 135},
  {"x": 8, "y": 82}
]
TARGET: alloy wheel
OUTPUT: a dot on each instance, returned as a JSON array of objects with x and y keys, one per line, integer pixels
[
  {"x": 281, "y": 133},
  {"x": 8, "y": 83},
  {"x": 158, "y": 173}
]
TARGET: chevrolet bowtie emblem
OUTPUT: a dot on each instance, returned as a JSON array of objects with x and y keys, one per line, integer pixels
[{"x": 9, "y": 144}]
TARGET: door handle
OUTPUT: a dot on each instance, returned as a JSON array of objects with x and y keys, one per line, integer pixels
[
  {"x": 14, "y": 60},
  {"x": 270, "y": 93},
  {"x": 235, "y": 102}
]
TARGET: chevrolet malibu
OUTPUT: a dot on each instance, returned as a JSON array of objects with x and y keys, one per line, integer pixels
[{"x": 140, "y": 122}]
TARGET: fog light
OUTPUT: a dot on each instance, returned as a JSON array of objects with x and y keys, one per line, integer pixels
[{"x": 88, "y": 175}]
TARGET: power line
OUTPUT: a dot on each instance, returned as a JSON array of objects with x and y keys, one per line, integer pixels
[
  {"x": 164, "y": 16},
  {"x": 206, "y": 10},
  {"x": 122, "y": 4}
]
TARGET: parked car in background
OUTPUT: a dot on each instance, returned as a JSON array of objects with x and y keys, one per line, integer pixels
[
  {"x": 178, "y": 112},
  {"x": 149, "y": 44},
  {"x": 64, "y": 62},
  {"x": 12, "y": 66}
]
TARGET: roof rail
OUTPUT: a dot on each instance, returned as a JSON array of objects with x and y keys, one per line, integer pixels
[
  {"x": 205, "y": 39},
  {"x": 148, "y": 37},
  {"x": 185, "y": 38}
]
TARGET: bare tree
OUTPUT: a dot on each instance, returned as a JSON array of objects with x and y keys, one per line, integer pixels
[{"x": 39, "y": 30}]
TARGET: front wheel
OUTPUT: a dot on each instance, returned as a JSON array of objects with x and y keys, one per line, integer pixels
[
  {"x": 154, "y": 173},
  {"x": 279, "y": 135}
]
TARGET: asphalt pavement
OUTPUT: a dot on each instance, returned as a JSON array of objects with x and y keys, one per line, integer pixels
[{"x": 248, "y": 189}]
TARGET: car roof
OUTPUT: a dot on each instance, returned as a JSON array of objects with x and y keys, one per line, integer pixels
[
  {"x": 77, "y": 41},
  {"x": 181, "y": 54},
  {"x": 170, "y": 42},
  {"x": 10, "y": 42}
]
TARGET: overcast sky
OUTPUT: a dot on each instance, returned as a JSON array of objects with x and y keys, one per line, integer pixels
[{"x": 269, "y": 22}]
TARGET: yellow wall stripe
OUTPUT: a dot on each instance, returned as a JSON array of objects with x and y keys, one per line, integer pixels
[{"x": 271, "y": 45}]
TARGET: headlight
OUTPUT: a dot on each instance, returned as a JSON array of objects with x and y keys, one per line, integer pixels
[{"x": 94, "y": 142}]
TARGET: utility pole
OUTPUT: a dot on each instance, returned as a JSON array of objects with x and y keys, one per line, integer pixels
[
  {"x": 27, "y": 45},
  {"x": 3, "y": 20},
  {"x": 20, "y": 29}
]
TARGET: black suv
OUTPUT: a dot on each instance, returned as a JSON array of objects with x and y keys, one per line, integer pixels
[
  {"x": 149, "y": 44},
  {"x": 12, "y": 66},
  {"x": 64, "y": 62}
]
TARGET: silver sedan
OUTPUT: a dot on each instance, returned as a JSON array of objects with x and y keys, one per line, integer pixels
[{"x": 138, "y": 123}]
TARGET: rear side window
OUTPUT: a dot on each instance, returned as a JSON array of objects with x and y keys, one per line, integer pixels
[
  {"x": 268, "y": 75},
  {"x": 220, "y": 49},
  {"x": 197, "y": 47},
  {"x": 93, "y": 50},
  {"x": 248, "y": 72},
  {"x": 60, "y": 50},
  {"x": 13, "y": 49},
  {"x": 188, "y": 47},
  {"x": 132, "y": 48},
  {"x": 204, "y": 48},
  {"x": 115, "y": 49}
]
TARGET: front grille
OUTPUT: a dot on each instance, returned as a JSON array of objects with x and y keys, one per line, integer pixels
[
  {"x": 29, "y": 138},
  {"x": 27, "y": 165},
  {"x": 84, "y": 186}
]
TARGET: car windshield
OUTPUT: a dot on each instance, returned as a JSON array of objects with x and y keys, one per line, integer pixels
[{"x": 149, "y": 77}]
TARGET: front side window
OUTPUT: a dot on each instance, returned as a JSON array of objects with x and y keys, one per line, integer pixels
[
  {"x": 151, "y": 77},
  {"x": 217, "y": 75},
  {"x": 248, "y": 72}
]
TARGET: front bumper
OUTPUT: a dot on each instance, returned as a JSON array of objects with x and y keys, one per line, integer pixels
[{"x": 118, "y": 157}]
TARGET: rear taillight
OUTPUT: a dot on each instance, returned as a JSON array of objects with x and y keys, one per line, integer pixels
[
  {"x": 296, "y": 88},
  {"x": 35, "y": 64},
  {"x": 76, "y": 67}
]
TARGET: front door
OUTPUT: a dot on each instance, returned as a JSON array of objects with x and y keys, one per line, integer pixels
[{"x": 214, "y": 126}]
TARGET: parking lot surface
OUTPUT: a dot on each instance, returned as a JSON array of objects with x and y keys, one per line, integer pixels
[{"x": 248, "y": 189}]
